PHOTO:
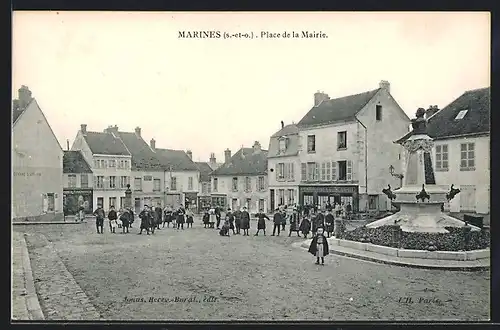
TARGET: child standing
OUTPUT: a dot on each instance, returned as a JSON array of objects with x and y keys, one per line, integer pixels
[
  {"x": 112, "y": 216},
  {"x": 319, "y": 247},
  {"x": 189, "y": 218}
]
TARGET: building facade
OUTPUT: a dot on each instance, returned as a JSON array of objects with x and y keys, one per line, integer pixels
[
  {"x": 78, "y": 183},
  {"x": 283, "y": 167},
  {"x": 461, "y": 155},
  {"x": 346, "y": 149},
  {"x": 37, "y": 161},
  {"x": 204, "y": 185},
  {"x": 242, "y": 180}
]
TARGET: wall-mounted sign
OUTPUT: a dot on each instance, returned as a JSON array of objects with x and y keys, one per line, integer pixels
[{"x": 27, "y": 174}]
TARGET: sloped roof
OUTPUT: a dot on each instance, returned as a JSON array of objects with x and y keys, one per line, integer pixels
[
  {"x": 143, "y": 158},
  {"x": 74, "y": 162},
  {"x": 287, "y": 130},
  {"x": 15, "y": 114},
  {"x": 175, "y": 160},
  {"x": 105, "y": 144},
  {"x": 343, "y": 108},
  {"x": 443, "y": 124},
  {"x": 205, "y": 171},
  {"x": 245, "y": 162}
]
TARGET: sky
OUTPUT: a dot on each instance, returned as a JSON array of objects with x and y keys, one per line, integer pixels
[{"x": 131, "y": 69}]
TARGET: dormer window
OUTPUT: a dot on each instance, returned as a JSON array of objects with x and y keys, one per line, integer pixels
[
  {"x": 461, "y": 114},
  {"x": 283, "y": 144}
]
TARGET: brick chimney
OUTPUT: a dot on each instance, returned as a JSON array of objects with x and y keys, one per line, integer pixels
[
  {"x": 24, "y": 97},
  {"x": 320, "y": 97},
  {"x": 83, "y": 129},
  {"x": 431, "y": 110},
  {"x": 111, "y": 129},
  {"x": 256, "y": 147},
  {"x": 384, "y": 84},
  {"x": 67, "y": 145},
  {"x": 138, "y": 131},
  {"x": 227, "y": 155},
  {"x": 212, "y": 159},
  {"x": 190, "y": 154},
  {"x": 152, "y": 144},
  {"x": 282, "y": 124}
]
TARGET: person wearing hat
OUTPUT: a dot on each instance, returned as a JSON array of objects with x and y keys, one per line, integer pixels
[
  {"x": 294, "y": 222},
  {"x": 237, "y": 220},
  {"x": 230, "y": 218},
  {"x": 125, "y": 218},
  {"x": 245, "y": 221},
  {"x": 305, "y": 226},
  {"x": 180, "y": 218},
  {"x": 261, "y": 222},
  {"x": 277, "y": 219},
  {"x": 329, "y": 222},
  {"x": 319, "y": 247},
  {"x": 146, "y": 220}
]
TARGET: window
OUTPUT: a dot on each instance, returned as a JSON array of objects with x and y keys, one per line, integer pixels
[
  {"x": 467, "y": 157},
  {"x": 323, "y": 172},
  {"x": 204, "y": 188},
  {"x": 216, "y": 184},
  {"x": 461, "y": 114},
  {"x": 349, "y": 171},
  {"x": 303, "y": 172},
  {"x": 112, "y": 182},
  {"x": 283, "y": 144},
  {"x": 96, "y": 163},
  {"x": 84, "y": 180},
  {"x": 292, "y": 172},
  {"x": 112, "y": 202},
  {"x": 312, "y": 171},
  {"x": 280, "y": 171},
  {"x": 311, "y": 143},
  {"x": 249, "y": 202},
  {"x": 261, "y": 186},
  {"x": 261, "y": 205},
  {"x": 100, "y": 182},
  {"x": 291, "y": 197},
  {"x": 122, "y": 202},
  {"x": 190, "y": 183},
  {"x": 124, "y": 181},
  {"x": 157, "y": 184},
  {"x": 148, "y": 178},
  {"x": 100, "y": 202},
  {"x": 112, "y": 163},
  {"x": 281, "y": 196},
  {"x": 342, "y": 166},
  {"x": 71, "y": 180},
  {"x": 51, "y": 202},
  {"x": 328, "y": 168},
  {"x": 334, "y": 171},
  {"x": 372, "y": 202},
  {"x": 138, "y": 184},
  {"x": 248, "y": 184},
  {"x": 342, "y": 140},
  {"x": 378, "y": 112},
  {"x": 173, "y": 183},
  {"x": 442, "y": 157},
  {"x": 235, "y": 184}
]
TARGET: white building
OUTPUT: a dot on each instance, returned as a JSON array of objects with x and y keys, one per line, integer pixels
[
  {"x": 461, "y": 154},
  {"x": 346, "y": 148},
  {"x": 37, "y": 163}
]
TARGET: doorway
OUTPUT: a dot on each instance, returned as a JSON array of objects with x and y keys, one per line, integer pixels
[{"x": 271, "y": 192}]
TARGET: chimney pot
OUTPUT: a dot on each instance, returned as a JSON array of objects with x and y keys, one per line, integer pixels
[
  {"x": 227, "y": 155},
  {"x": 282, "y": 124},
  {"x": 320, "y": 97},
  {"x": 384, "y": 84},
  {"x": 83, "y": 128},
  {"x": 138, "y": 131},
  {"x": 24, "y": 97},
  {"x": 67, "y": 145},
  {"x": 152, "y": 144}
]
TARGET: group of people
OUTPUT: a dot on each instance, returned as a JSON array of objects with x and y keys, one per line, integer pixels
[{"x": 152, "y": 218}]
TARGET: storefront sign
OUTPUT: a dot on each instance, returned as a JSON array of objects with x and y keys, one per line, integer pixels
[
  {"x": 77, "y": 191},
  {"x": 330, "y": 189},
  {"x": 27, "y": 174}
]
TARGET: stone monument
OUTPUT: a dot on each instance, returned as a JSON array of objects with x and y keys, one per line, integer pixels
[
  {"x": 420, "y": 199},
  {"x": 128, "y": 197}
]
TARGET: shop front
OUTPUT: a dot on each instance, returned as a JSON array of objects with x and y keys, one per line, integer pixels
[
  {"x": 204, "y": 202},
  {"x": 74, "y": 198},
  {"x": 219, "y": 200},
  {"x": 190, "y": 201},
  {"x": 321, "y": 195}
]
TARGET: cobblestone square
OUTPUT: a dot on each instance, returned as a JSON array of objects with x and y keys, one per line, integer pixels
[{"x": 195, "y": 274}]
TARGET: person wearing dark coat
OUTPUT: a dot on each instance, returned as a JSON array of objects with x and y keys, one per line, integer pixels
[
  {"x": 237, "y": 221},
  {"x": 230, "y": 218},
  {"x": 277, "y": 219},
  {"x": 283, "y": 219},
  {"x": 245, "y": 221},
  {"x": 125, "y": 218},
  {"x": 319, "y": 247},
  {"x": 329, "y": 223},
  {"x": 180, "y": 218},
  {"x": 306, "y": 210},
  {"x": 168, "y": 216},
  {"x": 189, "y": 218},
  {"x": 206, "y": 218},
  {"x": 159, "y": 218},
  {"x": 294, "y": 223},
  {"x": 314, "y": 224},
  {"x": 99, "y": 219},
  {"x": 112, "y": 216},
  {"x": 132, "y": 217},
  {"x": 261, "y": 222},
  {"x": 146, "y": 220},
  {"x": 305, "y": 226},
  {"x": 217, "y": 216},
  {"x": 320, "y": 220}
]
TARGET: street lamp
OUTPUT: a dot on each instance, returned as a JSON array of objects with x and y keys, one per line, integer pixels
[{"x": 399, "y": 176}]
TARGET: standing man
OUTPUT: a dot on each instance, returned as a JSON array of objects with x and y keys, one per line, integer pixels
[
  {"x": 283, "y": 217},
  {"x": 112, "y": 216},
  {"x": 277, "y": 219},
  {"x": 217, "y": 215},
  {"x": 230, "y": 218},
  {"x": 294, "y": 223},
  {"x": 261, "y": 222},
  {"x": 146, "y": 220},
  {"x": 180, "y": 218},
  {"x": 245, "y": 221},
  {"x": 99, "y": 219},
  {"x": 159, "y": 218},
  {"x": 329, "y": 222},
  {"x": 237, "y": 220}
]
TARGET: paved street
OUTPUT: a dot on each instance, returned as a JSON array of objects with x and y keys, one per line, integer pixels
[{"x": 132, "y": 277}]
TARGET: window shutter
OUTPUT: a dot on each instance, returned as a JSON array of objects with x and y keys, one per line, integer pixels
[
  {"x": 56, "y": 202},
  {"x": 286, "y": 171},
  {"x": 303, "y": 171},
  {"x": 316, "y": 171},
  {"x": 45, "y": 203},
  {"x": 276, "y": 171},
  {"x": 323, "y": 172},
  {"x": 292, "y": 174},
  {"x": 349, "y": 170},
  {"x": 334, "y": 171}
]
